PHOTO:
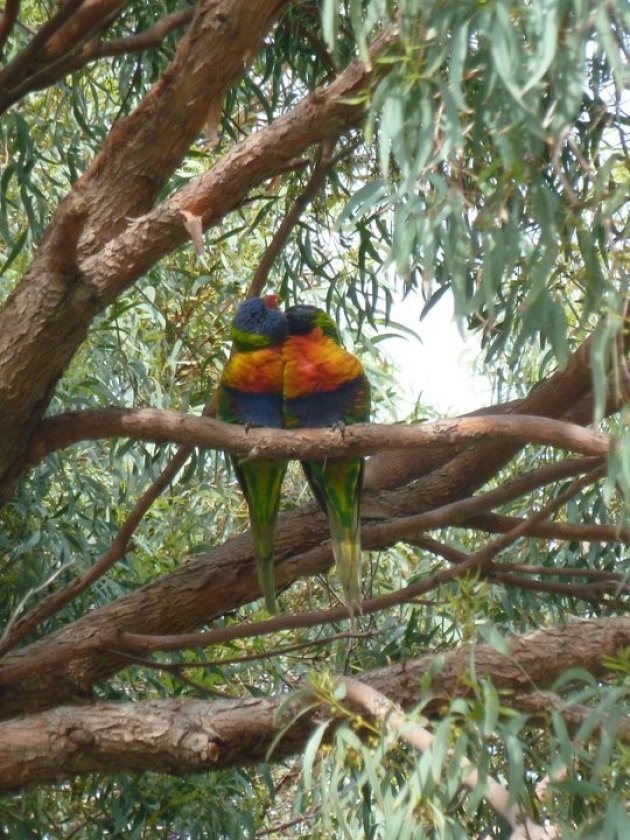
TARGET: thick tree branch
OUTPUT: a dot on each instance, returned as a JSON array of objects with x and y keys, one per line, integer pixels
[
  {"x": 323, "y": 114},
  {"x": 161, "y": 426},
  {"x": 566, "y": 394},
  {"x": 181, "y": 736}
]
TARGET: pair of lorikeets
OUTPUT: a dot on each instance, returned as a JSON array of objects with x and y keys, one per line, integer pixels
[{"x": 289, "y": 370}]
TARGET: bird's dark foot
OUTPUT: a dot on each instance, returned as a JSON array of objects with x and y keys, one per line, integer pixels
[
  {"x": 251, "y": 425},
  {"x": 340, "y": 427}
]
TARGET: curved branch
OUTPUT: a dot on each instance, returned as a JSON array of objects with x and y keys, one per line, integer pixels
[
  {"x": 161, "y": 426},
  {"x": 323, "y": 165}
]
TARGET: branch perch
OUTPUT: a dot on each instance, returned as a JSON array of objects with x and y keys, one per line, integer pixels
[{"x": 160, "y": 426}]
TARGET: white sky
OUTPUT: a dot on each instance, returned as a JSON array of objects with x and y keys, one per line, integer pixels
[{"x": 439, "y": 368}]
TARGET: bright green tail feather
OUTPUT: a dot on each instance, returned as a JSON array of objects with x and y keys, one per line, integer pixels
[
  {"x": 336, "y": 484},
  {"x": 260, "y": 482}
]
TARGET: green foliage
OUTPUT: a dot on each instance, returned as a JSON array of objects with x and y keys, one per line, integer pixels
[
  {"x": 370, "y": 784},
  {"x": 207, "y": 807},
  {"x": 492, "y": 166},
  {"x": 500, "y": 168}
]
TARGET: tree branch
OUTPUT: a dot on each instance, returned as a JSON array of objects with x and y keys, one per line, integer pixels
[
  {"x": 182, "y": 735},
  {"x": 14, "y": 69},
  {"x": 161, "y": 426},
  {"x": 490, "y": 551},
  {"x": 571, "y": 531}
]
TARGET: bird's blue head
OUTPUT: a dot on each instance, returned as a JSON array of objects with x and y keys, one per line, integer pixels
[
  {"x": 303, "y": 318},
  {"x": 259, "y": 323}
]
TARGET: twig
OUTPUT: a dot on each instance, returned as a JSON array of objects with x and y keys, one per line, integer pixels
[
  {"x": 395, "y": 721},
  {"x": 138, "y": 42},
  {"x": 282, "y": 826},
  {"x": 281, "y": 650},
  {"x": 592, "y": 592},
  {"x": 323, "y": 163},
  {"x": 54, "y": 602},
  {"x": 503, "y": 573},
  {"x": 563, "y": 571},
  {"x": 34, "y": 591},
  {"x": 539, "y": 704},
  {"x": 411, "y": 528},
  {"x": 146, "y": 643},
  {"x": 486, "y": 554},
  {"x": 480, "y": 560},
  {"x": 592, "y": 532}
]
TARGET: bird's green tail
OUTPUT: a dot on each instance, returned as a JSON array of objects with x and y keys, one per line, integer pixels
[
  {"x": 347, "y": 550},
  {"x": 262, "y": 540},
  {"x": 261, "y": 482},
  {"x": 336, "y": 484}
]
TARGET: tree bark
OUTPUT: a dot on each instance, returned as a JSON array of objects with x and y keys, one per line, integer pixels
[
  {"x": 182, "y": 736},
  {"x": 46, "y": 318}
]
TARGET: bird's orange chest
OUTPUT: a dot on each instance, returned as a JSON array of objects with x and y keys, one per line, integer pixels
[
  {"x": 315, "y": 363},
  {"x": 257, "y": 371}
]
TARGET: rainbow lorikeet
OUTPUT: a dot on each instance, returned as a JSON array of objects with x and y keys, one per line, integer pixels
[
  {"x": 250, "y": 393},
  {"x": 324, "y": 385}
]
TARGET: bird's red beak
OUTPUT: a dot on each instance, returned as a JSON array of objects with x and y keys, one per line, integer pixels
[{"x": 271, "y": 301}]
